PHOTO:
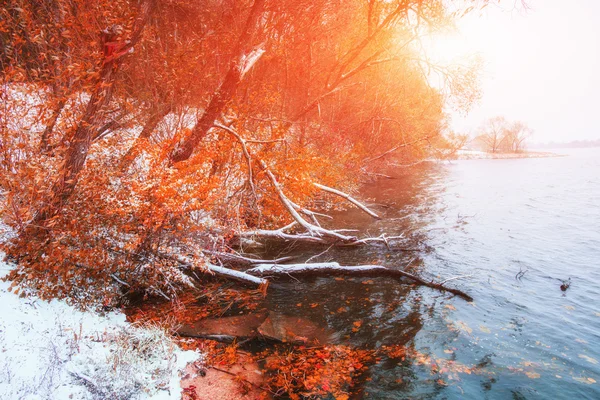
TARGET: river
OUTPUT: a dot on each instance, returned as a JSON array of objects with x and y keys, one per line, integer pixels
[{"x": 483, "y": 221}]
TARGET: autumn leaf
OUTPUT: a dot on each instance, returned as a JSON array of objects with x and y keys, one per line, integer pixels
[{"x": 532, "y": 375}]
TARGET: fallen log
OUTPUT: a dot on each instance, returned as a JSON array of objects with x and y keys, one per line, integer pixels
[
  {"x": 333, "y": 268},
  {"x": 257, "y": 275}
]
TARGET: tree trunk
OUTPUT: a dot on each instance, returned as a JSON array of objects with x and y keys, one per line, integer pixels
[
  {"x": 77, "y": 151},
  {"x": 242, "y": 62},
  {"x": 79, "y": 145},
  {"x": 142, "y": 140},
  {"x": 44, "y": 145}
]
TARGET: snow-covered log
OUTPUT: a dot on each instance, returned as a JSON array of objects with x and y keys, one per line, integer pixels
[
  {"x": 235, "y": 275},
  {"x": 333, "y": 269}
]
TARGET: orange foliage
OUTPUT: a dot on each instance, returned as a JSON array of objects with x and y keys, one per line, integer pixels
[
  {"x": 89, "y": 183},
  {"x": 314, "y": 373}
]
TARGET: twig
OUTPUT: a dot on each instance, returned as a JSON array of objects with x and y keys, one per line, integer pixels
[
  {"x": 318, "y": 255},
  {"x": 456, "y": 277}
]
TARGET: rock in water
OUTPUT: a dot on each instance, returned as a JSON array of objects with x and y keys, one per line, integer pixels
[
  {"x": 294, "y": 330},
  {"x": 242, "y": 326}
]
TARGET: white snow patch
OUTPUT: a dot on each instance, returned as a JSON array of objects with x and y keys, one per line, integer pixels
[{"x": 49, "y": 350}]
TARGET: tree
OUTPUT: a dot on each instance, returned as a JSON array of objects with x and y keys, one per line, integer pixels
[
  {"x": 517, "y": 134},
  {"x": 136, "y": 131},
  {"x": 499, "y": 135},
  {"x": 493, "y": 134}
]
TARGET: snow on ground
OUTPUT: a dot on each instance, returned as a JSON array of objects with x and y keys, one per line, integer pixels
[{"x": 49, "y": 350}]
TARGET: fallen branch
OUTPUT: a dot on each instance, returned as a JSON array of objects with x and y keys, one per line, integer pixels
[
  {"x": 332, "y": 268},
  {"x": 309, "y": 238},
  {"x": 313, "y": 230},
  {"x": 313, "y": 215},
  {"x": 347, "y": 197},
  {"x": 222, "y": 272},
  {"x": 241, "y": 260},
  {"x": 242, "y": 142},
  {"x": 282, "y": 235},
  {"x": 456, "y": 277}
]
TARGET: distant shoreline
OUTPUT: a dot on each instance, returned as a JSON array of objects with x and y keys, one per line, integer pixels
[{"x": 482, "y": 155}]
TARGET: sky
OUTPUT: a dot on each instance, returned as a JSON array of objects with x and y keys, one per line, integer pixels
[{"x": 541, "y": 66}]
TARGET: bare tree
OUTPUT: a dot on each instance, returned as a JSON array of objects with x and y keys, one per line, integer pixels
[
  {"x": 516, "y": 135},
  {"x": 493, "y": 134}
]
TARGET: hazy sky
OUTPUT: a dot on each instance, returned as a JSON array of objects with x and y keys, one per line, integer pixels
[{"x": 541, "y": 66}]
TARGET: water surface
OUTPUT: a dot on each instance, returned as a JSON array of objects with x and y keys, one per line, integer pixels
[{"x": 484, "y": 221}]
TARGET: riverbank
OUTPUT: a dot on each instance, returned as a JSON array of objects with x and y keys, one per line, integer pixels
[
  {"x": 482, "y": 155},
  {"x": 50, "y": 350}
]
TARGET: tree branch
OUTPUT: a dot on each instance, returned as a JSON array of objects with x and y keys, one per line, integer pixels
[{"x": 347, "y": 197}]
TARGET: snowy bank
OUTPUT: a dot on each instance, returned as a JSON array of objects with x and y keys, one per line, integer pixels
[{"x": 49, "y": 350}]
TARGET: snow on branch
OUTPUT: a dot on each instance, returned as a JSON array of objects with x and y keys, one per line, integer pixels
[
  {"x": 212, "y": 269},
  {"x": 347, "y": 197},
  {"x": 312, "y": 230},
  {"x": 248, "y": 60}
]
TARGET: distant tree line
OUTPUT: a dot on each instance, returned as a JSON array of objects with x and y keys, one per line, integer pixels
[{"x": 572, "y": 144}]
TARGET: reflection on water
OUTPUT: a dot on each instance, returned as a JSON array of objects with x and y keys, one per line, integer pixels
[{"x": 484, "y": 220}]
